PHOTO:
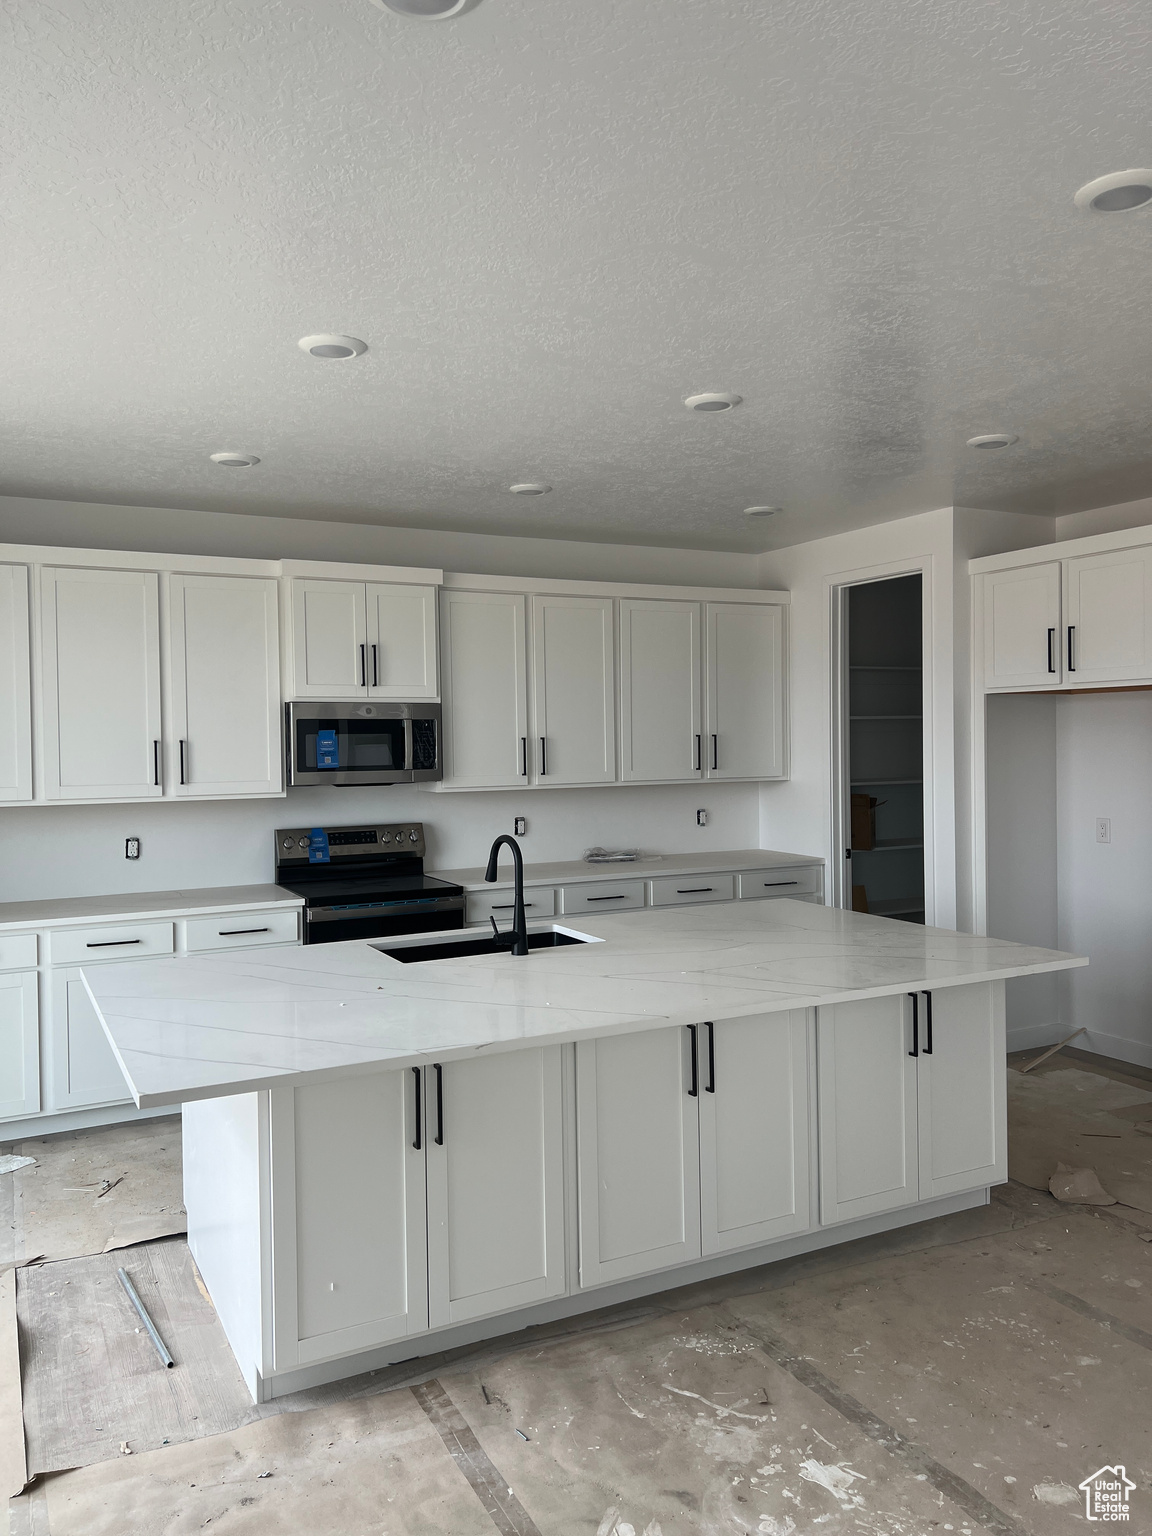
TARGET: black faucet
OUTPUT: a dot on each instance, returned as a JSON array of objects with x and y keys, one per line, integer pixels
[{"x": 518, "y": 938}]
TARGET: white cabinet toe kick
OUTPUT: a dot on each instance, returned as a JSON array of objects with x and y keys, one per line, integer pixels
[{"x": 346, "y": 1224}]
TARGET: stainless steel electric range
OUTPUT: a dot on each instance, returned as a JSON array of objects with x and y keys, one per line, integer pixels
[{"x": 364, "y": 882}]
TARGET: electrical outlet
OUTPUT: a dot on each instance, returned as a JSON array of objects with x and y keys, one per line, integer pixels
[
  {"x": 1103, "y": 829},
  {"x": 520, "y": 826},
  {"x": 131, "y": 847},
  {"x": 701, "y": 818}
]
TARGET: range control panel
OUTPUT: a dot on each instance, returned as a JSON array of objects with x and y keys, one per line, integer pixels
[{"x": 402, "y": 839}]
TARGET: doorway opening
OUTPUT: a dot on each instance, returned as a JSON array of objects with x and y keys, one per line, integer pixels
[{"x": 883, "y": 735}]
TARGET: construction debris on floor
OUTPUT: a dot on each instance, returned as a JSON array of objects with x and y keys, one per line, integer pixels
[{"x": 963, "y": 1375}]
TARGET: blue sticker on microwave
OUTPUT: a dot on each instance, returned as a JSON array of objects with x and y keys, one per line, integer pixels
[
  {"x": 327, "y": 749},
  {"x": 318, "y": 846}
]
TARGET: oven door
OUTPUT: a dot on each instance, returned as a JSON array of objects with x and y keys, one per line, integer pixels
[
  {"x": 332, "y": 925},
  {"x": 362, "y": 744}
]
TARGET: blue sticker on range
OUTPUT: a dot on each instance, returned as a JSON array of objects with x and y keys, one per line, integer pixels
[
  {"x": 327, "y": 749},
  {"x": 318, "y": 846}
]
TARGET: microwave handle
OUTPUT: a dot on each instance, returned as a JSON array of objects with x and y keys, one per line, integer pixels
[{"x": 409, "y": 751}]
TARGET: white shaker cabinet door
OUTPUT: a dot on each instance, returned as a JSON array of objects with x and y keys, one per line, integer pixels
[
  {"x": 329, "y": 639},
  {"x": 660, "y": 727},
  {"x": 100, "y": 706},
  {"x": 1022, "y": 627},
  {"x": 484, "y": 667},
  {"x": 85, "y": 1071},
  {"x": 866, "y": 1093},
  {"x": 961, "y": 1089},
  {"x": 1108, "y": 617},
  {"x": 19, "y": 1044},
  {"x": 744, "y": 693},
  {"x": 15, "y": 699},
  {"x": 638, "y": 1154},
  {"x": 573, "y": 690},
  {"x": 754, "y": 1129},
  {"x": 402, "y": 659},
  {"x": 225, "y": 687},
  {"x": 494, "y": 1136},
  {"x": 348, "y": 1216}
]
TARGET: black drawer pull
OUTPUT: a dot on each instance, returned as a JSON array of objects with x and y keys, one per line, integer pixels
[
  {"x": 419, "y": 1126},
  {"x": 232, "y": 933},
  {"x": 621, "y": 897},
  {"x": 112, "y": 943},
  {"x": 694, "y": 890},
  {"x": 772, "y": 884},
  {"x": 506, "y": 906},
  {"x": 694, "y": 1091},
  {"x": 915, "y": 1051}
]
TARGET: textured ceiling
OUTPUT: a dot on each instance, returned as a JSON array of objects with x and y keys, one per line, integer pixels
[{"x": 553, "y": 219}]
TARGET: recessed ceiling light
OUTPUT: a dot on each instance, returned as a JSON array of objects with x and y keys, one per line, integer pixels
[
  {"x": 425, "y": 10},
  {"x": 761, "y": 511},
  {"x": 530, "y": 488},
  {"x": 234, "y": 460},
  {"x": 1120, "y": 192},
  {"x": 332, "y": 347},
  {"x": 993, "y": 440},
  {"x": 712, "y": 402}
]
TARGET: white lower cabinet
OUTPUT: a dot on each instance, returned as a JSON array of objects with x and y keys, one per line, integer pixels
[
  {"x": 19, "y": 1044},
  {"x": 495, "y": 1157},
  {"x": 85, "y": 1072},
  {"x": 754, "y": 1123},
  {"x": 911, "y": 1099},
  {"x": 348, "y": 1225}
]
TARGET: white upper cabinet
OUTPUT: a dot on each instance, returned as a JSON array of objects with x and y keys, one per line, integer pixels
[
  {"x": 660, "y": 726},
  {"x": 352, "y": 640},
  {"x": 573, "y": 690},
  {"x": 1022, "y": 627},
  {"x": 744, "y": 692},
  {"x": 225, "y": 692},
  {"x": 485, "y": 677},
  {"x": 15, "y": 700},
  {"x": 100, "y": 684},
  {"x": 1108, "y": 616}
]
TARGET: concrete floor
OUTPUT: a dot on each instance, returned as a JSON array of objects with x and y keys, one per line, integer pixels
[{"x": 959, "y": 1376}]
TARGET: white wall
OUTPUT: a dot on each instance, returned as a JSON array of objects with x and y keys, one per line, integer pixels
[
  {"x": 1114, "y": 519},
  {"x": 1104, "y": 768}
]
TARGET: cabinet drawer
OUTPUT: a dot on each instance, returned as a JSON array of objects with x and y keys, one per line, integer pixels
[
  {"x": 17, "y": 951},
  {"x": 539, "y": 901},
  {"x": 241, "y": 930},
  {"x": 803, "y": 881},
  {"x": 685, "y": 890},
  {"x": 603, "y": 896},
  {"x": 119, "y": 941}
]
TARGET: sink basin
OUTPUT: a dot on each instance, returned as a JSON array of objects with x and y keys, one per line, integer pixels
[{"x": 451, "y": 949}]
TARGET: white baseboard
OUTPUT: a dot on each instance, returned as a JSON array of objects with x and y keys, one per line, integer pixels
[
  {"x": 1034, "y": 1037},
  {"x": 78, "y": 1120}
]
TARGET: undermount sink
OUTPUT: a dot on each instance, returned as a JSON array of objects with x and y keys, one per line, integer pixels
[{"x": 451, "y": 949}]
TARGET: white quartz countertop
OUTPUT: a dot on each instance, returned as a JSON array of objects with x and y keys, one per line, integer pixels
[
  {"x": 77, "y": 909},
  {"x": 636, "y": 869},
  {"x": 233, "y": 1022}
]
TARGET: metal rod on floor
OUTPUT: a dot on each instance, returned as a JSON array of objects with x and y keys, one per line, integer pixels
[
  {"x": 161, "y": 1350},
  {"x": 1051, "y": 1051}
]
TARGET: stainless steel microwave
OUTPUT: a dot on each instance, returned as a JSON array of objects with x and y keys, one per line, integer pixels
[{"x": 369, "y": 743}]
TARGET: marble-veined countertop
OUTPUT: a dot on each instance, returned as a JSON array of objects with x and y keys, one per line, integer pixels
[
  {"x": 229, "y": 1023},
  {"x": 648, "y": 867},
  {"x": 134, "y": 904}
]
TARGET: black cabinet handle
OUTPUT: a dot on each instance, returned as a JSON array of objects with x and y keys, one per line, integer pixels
[
  {"x": 156, "y": 762},
  {"x": 699, "y": 763},
  {"x": 694, "y": 890},
  {"x": 927, "y": 1023},
  {"x": 112, "y": 943},
  {"x": 375, "y": 667},
  {"x": 506, "y": 906},
  {"x": 436, "y": 1067},
  {"x": 621, "y": 897},
  {"x": 523, "y": 757},
  {"x": 915, "y": 1051},
  {"x": 363, "y": 668},
  {"x": 183, "y": 774},
  {"x": 418, "y": 1143},
  {"x": 771, "y": 885},
  {"x": 543, "y": 756},
  {"x": 1051, "y": 659},
  {"x": 710, "y": 1085},
  {"x": 715, "y": 753},
  {"x": 694, "y": 1091},
  {"x": 1071, "y": 657},
  {"x": 231, "y": 933}
]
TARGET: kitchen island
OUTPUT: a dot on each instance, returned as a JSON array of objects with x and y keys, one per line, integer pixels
[{"x": 387, "y": 1159}]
